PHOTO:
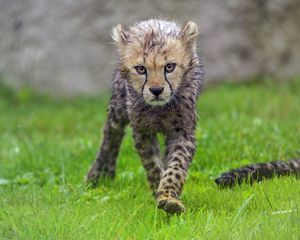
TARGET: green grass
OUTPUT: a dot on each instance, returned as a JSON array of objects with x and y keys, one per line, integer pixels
[{"x": 47, "y": 145}]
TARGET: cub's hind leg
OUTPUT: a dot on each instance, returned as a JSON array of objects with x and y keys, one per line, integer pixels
[{"x": 105, "y": 163}]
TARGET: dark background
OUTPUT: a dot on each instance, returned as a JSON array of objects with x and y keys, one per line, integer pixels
[{"x": 64, "y": 47}]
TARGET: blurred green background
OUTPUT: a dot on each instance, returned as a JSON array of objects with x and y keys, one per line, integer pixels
[{"x": 47, "y": 145}]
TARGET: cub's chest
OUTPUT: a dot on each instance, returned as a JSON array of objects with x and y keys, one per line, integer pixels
[{"x": 157, "y": 121}]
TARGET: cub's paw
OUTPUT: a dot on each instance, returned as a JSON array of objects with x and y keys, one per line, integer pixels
[
  {"x": 170, "y": 205},
  {"x": 91, "y": 180},
  {"x": 93, "y": 175}
]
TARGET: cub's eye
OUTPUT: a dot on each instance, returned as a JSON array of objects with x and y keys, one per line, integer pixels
[
  {"x": 140, "y": 69},
  {"x": 170, "y": 67}
]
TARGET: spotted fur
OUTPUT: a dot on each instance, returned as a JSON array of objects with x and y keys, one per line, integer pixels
[
  {"x": 258, "y": 172},
  {"x": 154, "y": 100}
]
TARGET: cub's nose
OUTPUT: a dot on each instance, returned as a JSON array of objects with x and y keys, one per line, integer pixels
[{"x": 156, "y": 91}]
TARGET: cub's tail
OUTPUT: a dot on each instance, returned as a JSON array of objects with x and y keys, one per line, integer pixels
[{"x": 258, "y": 172}]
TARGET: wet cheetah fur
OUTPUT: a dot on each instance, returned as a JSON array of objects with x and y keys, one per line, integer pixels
[{"x": 156, "y": 84}]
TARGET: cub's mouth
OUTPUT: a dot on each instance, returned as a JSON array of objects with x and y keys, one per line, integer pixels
[{"x": 158, "y": 101}]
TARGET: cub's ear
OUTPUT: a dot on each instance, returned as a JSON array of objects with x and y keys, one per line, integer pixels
[
  {"x": 189, "y": 34},
  {"x": 120, "y": 36}
]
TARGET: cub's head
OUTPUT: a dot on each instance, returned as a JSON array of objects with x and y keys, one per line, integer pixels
[{"x": 155, "y": 55}]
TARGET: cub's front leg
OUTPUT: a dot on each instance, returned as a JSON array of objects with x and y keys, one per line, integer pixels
[
  {"x": 105, "y": 163},
  {"x": 148, "y": 149},
  {"x": 180, "y": 151}
]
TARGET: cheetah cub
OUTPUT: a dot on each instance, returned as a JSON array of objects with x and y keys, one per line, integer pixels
[{"x": 156, "y": 84}]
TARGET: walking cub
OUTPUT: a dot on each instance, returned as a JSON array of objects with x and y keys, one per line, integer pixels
[{"x": 155, "y": 88}]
